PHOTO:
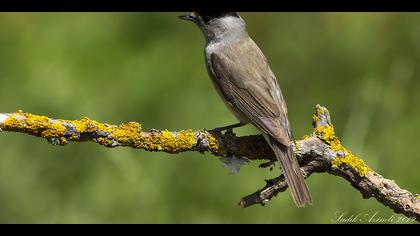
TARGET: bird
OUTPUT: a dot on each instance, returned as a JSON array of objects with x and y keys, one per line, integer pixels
[{"x": 244, "y": 80}]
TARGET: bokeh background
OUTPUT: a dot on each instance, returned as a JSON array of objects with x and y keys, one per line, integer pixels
[{"x": 149, "y": 67}]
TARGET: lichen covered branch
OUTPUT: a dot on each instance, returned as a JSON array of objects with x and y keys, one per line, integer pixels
[
  {"x": 61, "y": 132},
  {"x": 322, "y": 152},
  {"x": 319, "y": 152}
]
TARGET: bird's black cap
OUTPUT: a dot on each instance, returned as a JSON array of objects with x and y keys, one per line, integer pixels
[{"x": 207, "y": 16}]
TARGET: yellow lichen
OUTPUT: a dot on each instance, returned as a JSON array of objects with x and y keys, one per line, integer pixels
[
  {"x": 9, "y": 122},
  {"x": 306, "y": 136},
  {"x": 326, "y": 132},
  {"x": 351, "y": 160},
  {"x": 214, "y": 144},
  {"x": 182, "y": 140},
  {"x": 315, "y": 118},
  {"x": 34, "y": 124},
  {"x": 126, "y": 133},
  {"x": 319, "y": 110},
  {"x": 130, "y": 134},
  {"x": 63, "y": 140},
  {"x": 159, "y": 141},
  {"x": 298, "y": 146},
  {"x": 188, "y": 137},
  {"x": 87, "y": 125},
  {"x": 53, "y": 130}
]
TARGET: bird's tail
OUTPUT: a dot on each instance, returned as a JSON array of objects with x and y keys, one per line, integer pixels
[{"x": 292, "y": 173}]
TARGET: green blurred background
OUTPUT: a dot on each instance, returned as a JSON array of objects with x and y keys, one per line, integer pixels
[{"x": 149, "y": 67}]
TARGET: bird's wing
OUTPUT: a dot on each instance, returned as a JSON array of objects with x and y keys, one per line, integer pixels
[{"x": 243, "y": 75}]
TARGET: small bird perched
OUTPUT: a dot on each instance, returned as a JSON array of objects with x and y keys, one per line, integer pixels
[{"x": 243, "y": 78}]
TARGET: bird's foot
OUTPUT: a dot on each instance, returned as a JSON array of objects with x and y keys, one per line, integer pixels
[
  {"x": 269, "y": 164},
  {"x": 228, "y": 128}
]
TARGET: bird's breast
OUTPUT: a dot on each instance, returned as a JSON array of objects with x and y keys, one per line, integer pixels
[{"x": 215, "y": 48}]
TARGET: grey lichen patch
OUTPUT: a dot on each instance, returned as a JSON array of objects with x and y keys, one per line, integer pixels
[{"x": 234, "y": 163}]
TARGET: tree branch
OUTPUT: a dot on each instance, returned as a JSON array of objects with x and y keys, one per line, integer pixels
[
  {"x": 319, "y": 152},
  {"x": 61, "y": 132}
]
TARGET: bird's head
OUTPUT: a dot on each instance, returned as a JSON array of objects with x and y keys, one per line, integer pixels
[{"x": 216, "y": 25}]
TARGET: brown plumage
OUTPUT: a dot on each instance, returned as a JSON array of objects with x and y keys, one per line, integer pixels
[{"x": 243, "y": 78}]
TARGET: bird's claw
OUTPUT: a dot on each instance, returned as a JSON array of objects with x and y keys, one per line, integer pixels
[
  {"x": 269, "y": 164},
  {"x": 228, "y": 131},
  {"x": 216, "y": 131}
]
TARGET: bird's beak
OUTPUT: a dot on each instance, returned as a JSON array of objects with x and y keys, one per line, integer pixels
[{"x": 189, "y": 17}]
